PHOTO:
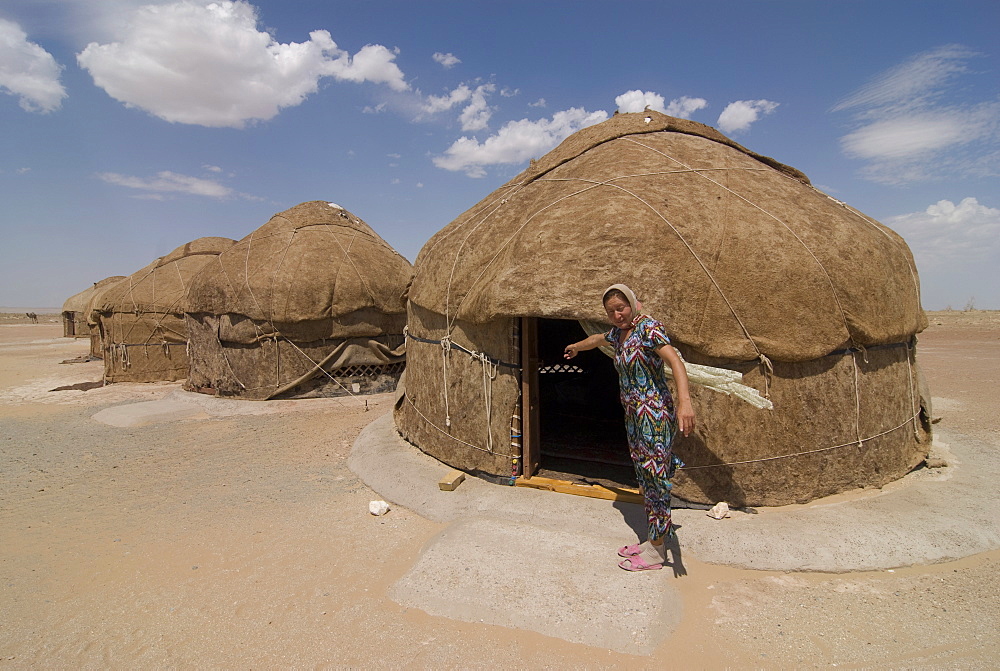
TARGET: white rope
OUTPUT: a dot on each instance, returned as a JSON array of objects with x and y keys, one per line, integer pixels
[
  {"x": 490, "y": 370},
  {"x": 445, "y": 351},
  {"x": 911, "y": 266},
  {"x": 275, "y": 332},
  {"x": 914, "y": 408},
  {"x": 447, "y": 433},
  {"x": 857, "y": 443},
  {"x": 857, "y": 398}
]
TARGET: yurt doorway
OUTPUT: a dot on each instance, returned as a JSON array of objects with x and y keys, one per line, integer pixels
[{"x": 574, "y": 426}]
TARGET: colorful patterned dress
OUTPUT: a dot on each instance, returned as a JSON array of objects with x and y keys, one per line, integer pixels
[{"x": 650, "y": 420}]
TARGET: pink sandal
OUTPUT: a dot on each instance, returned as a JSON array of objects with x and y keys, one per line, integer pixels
[
  {"x": 630, "y": 550},
  {"x": 637, "y": 563}
]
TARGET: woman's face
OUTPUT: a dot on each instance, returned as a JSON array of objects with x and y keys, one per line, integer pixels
[{"x": 619, "y": 312}]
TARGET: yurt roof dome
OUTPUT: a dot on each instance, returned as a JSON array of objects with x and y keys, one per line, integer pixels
[{"x": 738, "y": 253}]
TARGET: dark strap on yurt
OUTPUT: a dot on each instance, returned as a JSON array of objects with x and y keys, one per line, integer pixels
[{"x": 455, "y": 345}]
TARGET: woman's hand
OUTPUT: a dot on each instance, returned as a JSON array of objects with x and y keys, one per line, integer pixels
[
  {"x": 685, "y": 417},
  {"x": 587, "y": 343},
  {"x": 685, "y": 411}
]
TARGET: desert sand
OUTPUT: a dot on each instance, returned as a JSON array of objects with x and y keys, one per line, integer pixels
[{"x": 233, "y": 535}]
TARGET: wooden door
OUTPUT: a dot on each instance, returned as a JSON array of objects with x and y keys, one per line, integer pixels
[{"x": 530, "y": 434}]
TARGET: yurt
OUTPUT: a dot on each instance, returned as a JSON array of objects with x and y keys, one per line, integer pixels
[
  {"x": 805, "y": 309},
  {"x": 141, "y": 318},
  {"x": 74, "y": 310},
  {"x": 94, "y": 317},
  {"x": 312, "y": 303}
]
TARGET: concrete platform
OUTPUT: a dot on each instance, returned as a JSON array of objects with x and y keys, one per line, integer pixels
[{"x": 508, "y": 535}]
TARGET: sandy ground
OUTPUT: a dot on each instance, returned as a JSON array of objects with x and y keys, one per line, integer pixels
[{"x": 227, "y": 539}]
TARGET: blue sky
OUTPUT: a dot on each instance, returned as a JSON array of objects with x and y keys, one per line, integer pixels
[{"x": 131, "y": 127}]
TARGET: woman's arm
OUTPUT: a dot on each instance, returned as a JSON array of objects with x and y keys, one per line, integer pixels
[
  {"x": 590, "y": 342},
  {"x": 685, "y": 412}
]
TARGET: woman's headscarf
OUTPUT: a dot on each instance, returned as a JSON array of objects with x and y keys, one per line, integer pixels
[{"x": 629, "y": 296}]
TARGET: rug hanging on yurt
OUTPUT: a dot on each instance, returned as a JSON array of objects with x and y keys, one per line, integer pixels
[
  {"x": 807, "y": 302},
  {"x": 312, "y": 303},
  {"x": 75, "y": 309},
  {"x": 141, "y": 318}
]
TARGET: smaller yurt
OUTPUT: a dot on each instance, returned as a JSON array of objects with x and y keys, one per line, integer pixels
[
  {"x": 312, "y": 303},
  {"x": 74, "y": 310},
  {"x": 93, "y": 317},
  {"x": 141, "y": 318}
]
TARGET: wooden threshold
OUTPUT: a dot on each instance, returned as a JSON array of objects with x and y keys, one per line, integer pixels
[{"x": 593, "y": 491}]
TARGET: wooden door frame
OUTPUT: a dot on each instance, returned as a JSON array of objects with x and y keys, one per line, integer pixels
[
  {"x": 531, "y": 443},
  {"x": 531, "y": 454}
]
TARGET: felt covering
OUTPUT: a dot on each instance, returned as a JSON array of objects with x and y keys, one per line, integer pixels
[
  {"x": 76, "y": 309},
  {"x": 749, "y": 267},
  {"x": 305, "y": 297},
  {"x": 738, "y": 253},
  {"x": 141, "y": 318}
]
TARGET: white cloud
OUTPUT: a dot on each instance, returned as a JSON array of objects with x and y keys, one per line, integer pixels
[
  {"x": 169, "y": 182},
  {"x": 684, "y": 106},
  {"x": 212, "y": 168},
  {"x": 911, "y": 84},
  {"x": 435, "y": 104},
  {"x": 210, "y": 65},
  {"x": 902, "y": 137},
  {"x": 638, "y": 101},
  {"x": 948, "y": 233},
  {"x": 448, "y": 60},
  {"x": 913, "y": 122},
  {"x": 28, "y": 71},
  {"x": 740, "y": 114},
  {"x": 515, "y": 142},
  {"x": 538, "y": 103},
  {"x": 474, "y": 116}
]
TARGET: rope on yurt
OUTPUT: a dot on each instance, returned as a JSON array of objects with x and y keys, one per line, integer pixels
[
  {"x": 881, "y": 229},
  {"x": 914, "y": 407},
  {"x": 853, "y": 443},
  {"x": 455, "y": 345},
  {"x": 490, "y": 369},
  {"x": 449, "y": 322},
  {"x": 764, "y": 361},
  {"x": 445, "y": 351},
  {"x": 446, "y": 433},
  {"x": 158, "y": 317},
  {"x": 833, "y": 287},
  {"x": 276, "y": 334}
]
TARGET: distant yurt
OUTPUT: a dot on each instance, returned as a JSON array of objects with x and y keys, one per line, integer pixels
[
  {"x": 141, "y": 318},
  {"x": 74, "y": 310},
  {"x": 312, "y": 303},
  {"x": 795, "y": 301},
  {"x": 94, "y": 317}
]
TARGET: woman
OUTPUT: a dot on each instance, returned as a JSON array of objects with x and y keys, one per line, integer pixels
[{"x": 641, "y": 348}]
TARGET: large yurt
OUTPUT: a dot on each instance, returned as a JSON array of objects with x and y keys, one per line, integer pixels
[
  {"x": 141, "y": 318},
  {"x": 801, "y": 309},
  {"x": 312, "y": 303},
  {"x": 74, "y": 310}
]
